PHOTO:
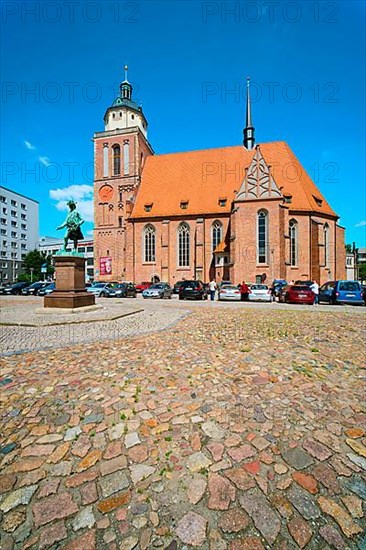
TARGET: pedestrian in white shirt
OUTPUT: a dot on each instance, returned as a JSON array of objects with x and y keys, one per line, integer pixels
[
  {"x": 315, "y": 288},
  {"x": 213, "y": 287}
]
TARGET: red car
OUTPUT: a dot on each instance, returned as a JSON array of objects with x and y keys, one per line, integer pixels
[
  {"x": 143, "y": 286},
  {"x": 297, "y": 294}
]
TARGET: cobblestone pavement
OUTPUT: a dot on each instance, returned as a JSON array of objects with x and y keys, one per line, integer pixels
[{"x": 233, "y": 429}]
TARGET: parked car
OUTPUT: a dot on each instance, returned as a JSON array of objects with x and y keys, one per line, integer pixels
[
  {"x": 229, "y": 292},
  {"x": 158, "y": 290},
  {"x": 46, "y": 290},
  {"x": 101, "y": 290},
  {"x": 364, "y": 294},
  {"x": 32, "y": 290},
  {"x": 222, "y": 283},
  {"x": 122, "y": 290},
  {"x": 277, "y": 286},
  {"x": 296, "y": 294},
  {"x": 16, "y": 288},
  {"x": 3, "y": 288},
  {"x": 341, "y": 292},
  {"x": 177, "y": 286},
  {"x": 143, "y": 286},
  {"x": 192, "y": 290},
  {"x": 260, "y": 293}
]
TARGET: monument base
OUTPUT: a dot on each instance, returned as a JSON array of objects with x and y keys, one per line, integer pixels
[
  {"x": 70, "y": 290},
  {"x": 69, "y": 299}
]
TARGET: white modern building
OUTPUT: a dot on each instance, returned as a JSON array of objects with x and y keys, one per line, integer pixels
[
  {"x": 50, "y": 245},
  {"x": 19, "y": 232},
  {"x": 350, "y": 267}
]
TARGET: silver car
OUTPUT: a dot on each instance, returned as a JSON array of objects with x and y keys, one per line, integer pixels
[
  {"x": 158, "y": 290},
  {"x": 260, "y": 293},
  {"x": 100, "y": 289},
  {"x": 229, "y": 292}
]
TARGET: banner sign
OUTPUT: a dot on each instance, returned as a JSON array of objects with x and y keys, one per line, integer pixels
[{"x": 105, "y": 265}]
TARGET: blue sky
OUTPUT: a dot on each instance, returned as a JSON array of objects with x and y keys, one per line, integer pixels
[{"x": 61, "y": 65}]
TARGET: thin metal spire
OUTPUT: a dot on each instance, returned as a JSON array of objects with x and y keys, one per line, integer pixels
[
  {"x": 248, "y": 132},
  {"x": 126, "y": 73}
]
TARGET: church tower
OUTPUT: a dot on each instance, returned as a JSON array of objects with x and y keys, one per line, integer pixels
[{"x": 119, "y": 155}]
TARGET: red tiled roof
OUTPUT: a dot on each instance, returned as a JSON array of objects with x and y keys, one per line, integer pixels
[{"x": 203, "y": 177}]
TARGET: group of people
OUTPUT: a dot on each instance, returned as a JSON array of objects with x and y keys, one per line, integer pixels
[{"x": 245, "y": 290}]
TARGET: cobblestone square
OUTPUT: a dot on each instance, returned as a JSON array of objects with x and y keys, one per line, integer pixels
[{"x": 201, "y": 425}]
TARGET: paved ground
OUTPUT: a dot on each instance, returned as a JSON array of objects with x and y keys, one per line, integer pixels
[{"x": 236, "y": 428}]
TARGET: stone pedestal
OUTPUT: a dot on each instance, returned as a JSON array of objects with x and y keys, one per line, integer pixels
[{"x": 70, "y": 284}]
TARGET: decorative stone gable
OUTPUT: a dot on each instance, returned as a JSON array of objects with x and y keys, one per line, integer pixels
[{"x": 258, "y": 181}]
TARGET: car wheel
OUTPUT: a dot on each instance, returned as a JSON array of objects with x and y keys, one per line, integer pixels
[{"x": 102, "y": 295}]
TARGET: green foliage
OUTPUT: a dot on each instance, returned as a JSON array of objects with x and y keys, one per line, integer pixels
[
  {"x": 34, "y": 261},
  {"x": 348, "y": 248},
  {"x": 362, "y": 272},
  {"x": 24, "y": 278}
]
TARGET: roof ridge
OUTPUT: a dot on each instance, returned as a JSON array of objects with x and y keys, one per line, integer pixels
[{"x": 238, "y": 146}]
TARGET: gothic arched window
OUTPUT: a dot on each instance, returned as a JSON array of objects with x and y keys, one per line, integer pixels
[
  {"x": 293, "y": 233},
  {"x": 262, "y": 237},
  {"x": 216, "y": 234},
  {"x": 326, "y": 245},
  {"x": 149, "y": 243},
  {"x": 183, "y": 245},
  {"x": 116, "y": 160}
]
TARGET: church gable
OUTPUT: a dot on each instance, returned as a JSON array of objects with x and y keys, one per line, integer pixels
[{"x": 258, "y": 182}]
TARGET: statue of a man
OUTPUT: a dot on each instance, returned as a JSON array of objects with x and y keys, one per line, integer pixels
[{"x": 73, "y": 223}]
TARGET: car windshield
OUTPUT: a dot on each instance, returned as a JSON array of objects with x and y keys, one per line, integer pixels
[
  {"x": 299, "y": 287},
  {"x": 120, "y": 285},
  {"x": 190, "y": 283},
  {"x": 349, "y": 285},
  {"x": 98, "y": 285},
  {"x": 259, "y": 287},
  {"x": 159, "y": 285},
  {"x": 35, "y": 285},
  {"x": 229, "y": 287}
]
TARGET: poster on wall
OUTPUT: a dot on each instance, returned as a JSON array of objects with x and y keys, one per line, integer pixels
[{"x": 105, "y": 265}]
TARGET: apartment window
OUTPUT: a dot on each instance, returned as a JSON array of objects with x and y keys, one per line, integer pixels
[
  {"x": 23, "y": 206},
  {"x": 216, "y": 234},
  {"x": 5, "y": 244},
  {"x": 3, "y": 254},
  {"x": 14, "y": 234},
  {"x": 3, "y": 199},
  {"x": 13, "y": 213},
  {"x": 5, "y": 211},
  {"x": 149, "y": 243},
  {"x": 23, "y": 246},
  {"x": 4, "y": 264},
  {"x": 3, "y": 232},
  {"x": 293, "y": 233},
  {"x": 89, "y": 249},
  {"x": 13, "y": 203},
  {"x": 14, "y": 224},
  {"x": 23, "y": 236},
  {"x": 183, "y": 245},
  {"x": 24, "y": 226},
  {"x": 262, "y": 237},
  {"x": 3, "y": 221},
  {"x": 81, "y": 249},
  {"x": 89, "y": 261},
  {"x": 14, "y": 244},
  {"x": 14, "y": 255},
  {"x": 23, "y": 216},
  {"x": 116, "y": 160}
]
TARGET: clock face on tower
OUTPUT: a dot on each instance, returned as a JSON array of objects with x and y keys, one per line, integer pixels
[{"x": 105, "y": 193}]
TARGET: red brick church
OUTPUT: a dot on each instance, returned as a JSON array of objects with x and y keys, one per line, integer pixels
[{"x": 237, "y": 213}]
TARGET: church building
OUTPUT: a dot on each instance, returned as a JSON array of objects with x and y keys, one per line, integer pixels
[{"x": 248, "y": 212}]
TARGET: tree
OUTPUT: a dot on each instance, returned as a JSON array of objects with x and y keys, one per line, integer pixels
[
  {"x": 349, "y": 248},
  {"x": 32, "y": 264},
  {"x": 362, "y": 272}
]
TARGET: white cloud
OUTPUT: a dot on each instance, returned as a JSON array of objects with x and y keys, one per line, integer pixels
[
  {"x": 81, "y": 194},
  {"x": 44, "y": 160},
  {"x": 29, "y": 145},
  {"x": 361, "y": 224}
]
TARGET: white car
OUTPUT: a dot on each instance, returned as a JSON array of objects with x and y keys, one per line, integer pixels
[
  {"x": 260, "y": 293},
  {"x": 229, "y": 292}
]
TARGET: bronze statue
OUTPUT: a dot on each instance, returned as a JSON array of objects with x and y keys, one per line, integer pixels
[{"x": 73, "y": 223}]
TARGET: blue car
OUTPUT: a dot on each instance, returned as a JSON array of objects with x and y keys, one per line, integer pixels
[{"x": 341, "y": 292}]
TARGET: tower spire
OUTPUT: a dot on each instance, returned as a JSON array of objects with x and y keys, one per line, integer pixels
[
  {"x": 125, "y": 87},
  {"x": 248, "y": 132}
]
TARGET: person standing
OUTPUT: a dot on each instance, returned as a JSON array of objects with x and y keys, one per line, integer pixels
[
  {"x": 315, "y": 288},
  {"x": 213, "y": 287},
  {"x": 244, "y": 291}
]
